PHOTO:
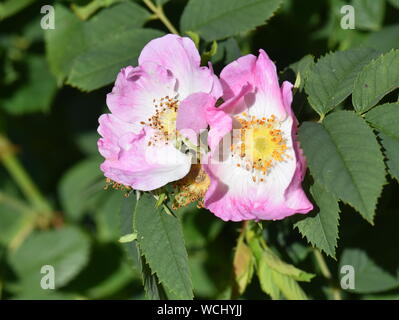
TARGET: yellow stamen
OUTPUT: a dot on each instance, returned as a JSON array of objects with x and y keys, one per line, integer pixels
[
  {"x": 260, "y": 144},
  {"x": 192, "y": 187}
]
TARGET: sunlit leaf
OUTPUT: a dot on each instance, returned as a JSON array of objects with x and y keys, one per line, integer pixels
[
  {"x": 385, "y": 119},
  {"x": 161, "y": 241},
  {"x": 344, "y": 157},
  {"x": 377, "y": 79},
  {"x": 332, "y": 78},
  {"x": 321, "y": 228},
  {"x": 220, "y": 19}
]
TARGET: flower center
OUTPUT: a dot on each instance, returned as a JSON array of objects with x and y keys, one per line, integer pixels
[
  {"x": 192, "y": 187},
  {"x": 164, "y": 119},
  {"x": 258, "y": 145}
]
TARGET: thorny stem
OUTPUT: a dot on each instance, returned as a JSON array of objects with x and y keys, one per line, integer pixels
[
  {"x": 160, "y": 14},
  {"x": 22, "y": 179},
  {"x": 326, "y": 273}
]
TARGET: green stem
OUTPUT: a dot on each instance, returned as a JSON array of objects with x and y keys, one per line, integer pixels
[
  {"x": 86, "y": 11},
  {"x": 326, "y": 273},
  {"x": 158, "y": 11},
  {"x": 21, "y": 178},
  {"x": 322, "y": 264}
]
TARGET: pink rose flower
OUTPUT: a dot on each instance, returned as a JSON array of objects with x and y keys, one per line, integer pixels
[
  {"x": 139, "y": 140},
  {"x": 261, "y": 171}
]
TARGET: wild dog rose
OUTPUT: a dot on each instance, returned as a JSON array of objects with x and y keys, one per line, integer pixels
[
  {"x": 262, "y": 169},
  {"x": 139, "y": 139}
]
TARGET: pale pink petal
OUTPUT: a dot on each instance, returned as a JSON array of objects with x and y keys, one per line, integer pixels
[
  {"x": 191, "y": 112},
  {"x": 146, "y": 168},
  {"x": 217, "y": 90},
  {"x": 180, "y": 56},
  {"x": 138, "y": 90},
  {"x": 262, "y": 75},
  {"x": 233, "y": 195},
  {"x": 236, "y": 74},
  {"x": 219, "y": 118},
  {"x": 268, "y": 98},
  {"x": 111, "y": 129},
  {"x": 286, "y": 93},
  {"x": 221, "y": 124},
  {"x": 294, "y": 193}
]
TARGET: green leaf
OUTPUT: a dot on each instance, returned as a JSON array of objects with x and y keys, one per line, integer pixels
[
  {"x": 369, "y": 14},
  {"x": 126, "y": 214},
  {"x": 331, "y": 80},
  {"x": 288, "y": 286},
  {"x": 385, "y": 119},
  {"x": 37, "y": 90},
  {"x": 100, "y": 64},
  {"x": 11, "y": 7},
  {"x": 105, "y": 210},
  {"x": 228, "y": 51},
  {"x": 274, "y": 274},
  {"x": 231, "y": 50},
  {"x": 161, "y": 241},
  {"x": 66, "y": 250},
  {"x": 220, "y": 19},
  {"x": 321, "y": 229},
  {"x": 383, "y": 40},
  {"x": 302, "y": 69},
  {"x": 79, "y": 185},
  {"x": 345, "y": 158},
  {"x": 87, "y": 142},
  {"x": 82, "y": 36},
  {"x": 152, "y": 287},
  {"x": 391, "y": 146},
  {"x": 12, "y": 222},
  {"x": 267, "y": 284},
  {"x": 69, "y": 28},
  {"x": 298, "y": 251},
  {"x": 275, "y": 263},
  {"x": 106, "y": 273},
  {"x": 196, "y": 235},
  {"x": 243, "y": 264},
  {"x": 369, "y": 276},
  {"x": 377, "y": 79}
]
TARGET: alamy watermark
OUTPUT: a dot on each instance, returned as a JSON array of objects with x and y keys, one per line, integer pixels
[
  {"x": 348, "y": 18},
  {"x": 347, "y": 277},
  {"x": 47, "y": 282},
  {"x": 48, "y": 20}
]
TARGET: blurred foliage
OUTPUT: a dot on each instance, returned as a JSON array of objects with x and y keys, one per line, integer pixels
[{"x": 52, "y": 90}]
